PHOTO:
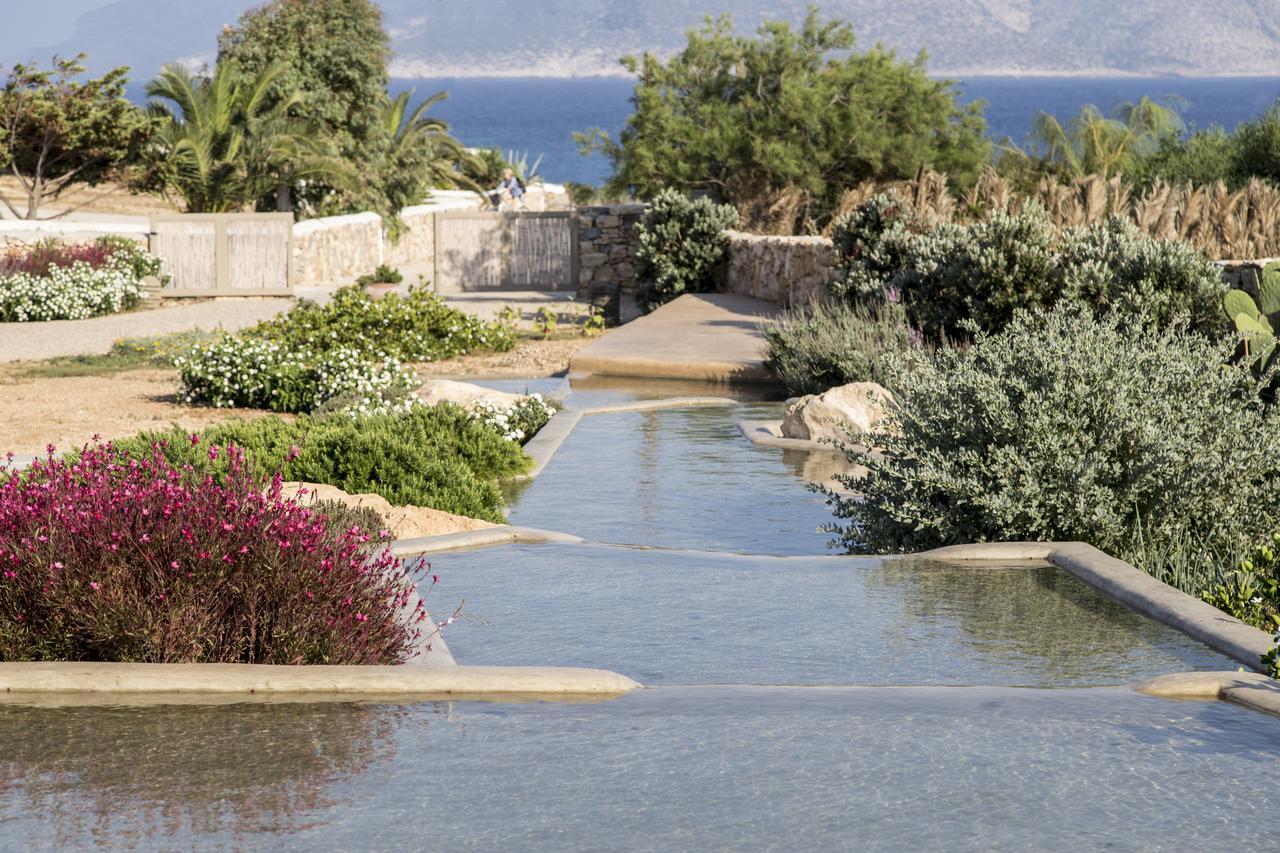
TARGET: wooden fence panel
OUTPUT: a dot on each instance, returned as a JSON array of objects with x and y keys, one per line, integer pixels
[
  {"x": 480, "y": 251},
  {"x": 225, "y": 254}
]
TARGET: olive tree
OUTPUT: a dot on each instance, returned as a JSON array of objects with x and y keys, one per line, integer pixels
[{"x": 57, "y": 131}]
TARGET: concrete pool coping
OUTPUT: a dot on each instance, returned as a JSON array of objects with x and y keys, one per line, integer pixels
[
  {"x": 505, "y": 535},
  {"x": 90, "y": 680},
  {"x": 543, "y": 446},
  {"x": 1130, "y": 586}
]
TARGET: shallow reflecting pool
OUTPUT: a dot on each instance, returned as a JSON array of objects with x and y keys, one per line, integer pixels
[
  {"x": 663, "y": 769},
  {"x": 679, "y": 617},
  {"x": 683, "y": 478}
]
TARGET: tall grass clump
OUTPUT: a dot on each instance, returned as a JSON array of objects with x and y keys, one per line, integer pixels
[
  {"x": 112, "y": 557},
  {"x": 827, "y": 344},
  {"x": 1069, "y": 427}
]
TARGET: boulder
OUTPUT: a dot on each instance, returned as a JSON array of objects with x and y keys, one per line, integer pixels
[
  {"x": 856, "y": 406},
  {"x": 404, "y": 522},
  {"x": 463, "y": 394}
]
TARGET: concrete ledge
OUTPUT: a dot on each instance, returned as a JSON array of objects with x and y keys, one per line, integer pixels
[
  {"x": 304, "y": 683},
  {"x": 1132, "y": 587},
  {"x": 1244, "y": 688},
  {"x": 543, "y": 446},
  {"x": 664, "y": 403},
  {"x": 479, "y": 539}
]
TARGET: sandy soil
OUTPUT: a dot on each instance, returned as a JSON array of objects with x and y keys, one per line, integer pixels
[
  {"x": 66, "y": 412},
  {"x": 529, "y": 359},
  {"x": 116, "y": 200},
  {"x": 404, "y": 522}
]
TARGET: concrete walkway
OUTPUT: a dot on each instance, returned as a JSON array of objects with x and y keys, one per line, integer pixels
[
  {"x": 54, "y": 338},
  {"x": 711, "y": 337}
]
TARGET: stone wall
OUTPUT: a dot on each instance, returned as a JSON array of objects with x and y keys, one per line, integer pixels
[
  {"x": 783, "y": 270},
  {"x": 606, "y": 249},
  {"x": 336, "y": 248}
]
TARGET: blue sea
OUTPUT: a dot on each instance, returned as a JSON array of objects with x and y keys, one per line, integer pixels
[{"x": 537, "y": 117}]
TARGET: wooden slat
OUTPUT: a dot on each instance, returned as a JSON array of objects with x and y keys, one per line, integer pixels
[{"x": 495, "y": 251}]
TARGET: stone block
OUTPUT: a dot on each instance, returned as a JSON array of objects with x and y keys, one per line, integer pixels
[
  {"x": 592, "y": 259},
  {"x": 608, "y": 221}
]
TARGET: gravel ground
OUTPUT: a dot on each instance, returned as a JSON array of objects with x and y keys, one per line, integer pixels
[{"x": 528, "y": 360}]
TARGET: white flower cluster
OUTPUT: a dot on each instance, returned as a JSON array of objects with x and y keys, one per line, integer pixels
[
  {"x": 518, "y": 421},
  {"x": 250, "y": 372},
  {"x": 74, "y": 292}
]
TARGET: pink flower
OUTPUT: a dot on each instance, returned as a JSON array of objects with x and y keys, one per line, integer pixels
[{"x": 94, "y": 585}]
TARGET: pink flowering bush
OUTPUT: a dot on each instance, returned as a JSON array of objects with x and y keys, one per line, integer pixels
[{"x": 108, "y": 558}]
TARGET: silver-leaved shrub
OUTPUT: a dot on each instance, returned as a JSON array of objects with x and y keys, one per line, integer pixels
[{"x": 1067, "y": 427}]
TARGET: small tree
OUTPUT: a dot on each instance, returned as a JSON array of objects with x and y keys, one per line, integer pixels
[
  {"x": 780, "y": 125},
  {"x": 1092, "y": 144},
  {"x": 335, "y": 54},
  {"x": 57, "y": 132}
]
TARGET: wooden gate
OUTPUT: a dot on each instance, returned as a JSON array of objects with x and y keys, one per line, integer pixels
[
  {"x": 225, "y": 254},
  {"x": 483, "y": 250}
]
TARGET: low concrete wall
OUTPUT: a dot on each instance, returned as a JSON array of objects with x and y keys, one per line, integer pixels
[{"x": 1130, "y": 586}]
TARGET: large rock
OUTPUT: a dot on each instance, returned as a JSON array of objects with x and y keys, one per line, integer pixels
[
  {"x": 854, "y": 407},
  {"x": 463, "y": 394},
  {"x": 404, "y": 522}
]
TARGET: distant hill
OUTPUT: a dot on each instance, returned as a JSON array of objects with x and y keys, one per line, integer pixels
[{"x": 435, "y": 38}]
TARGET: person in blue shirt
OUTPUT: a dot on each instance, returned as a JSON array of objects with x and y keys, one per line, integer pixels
[{"x": 509, "y": 191}]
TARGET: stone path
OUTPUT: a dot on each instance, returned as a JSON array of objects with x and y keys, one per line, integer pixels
[
  {"x": 712, "y": 337},
  {"x": 54, "y": 338}
]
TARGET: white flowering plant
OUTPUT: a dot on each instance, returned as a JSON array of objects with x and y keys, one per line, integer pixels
[
  {"x": 249, "y": 372},
  {"x": 50, "y": 281},
  {"x": 519, "y": 421}
]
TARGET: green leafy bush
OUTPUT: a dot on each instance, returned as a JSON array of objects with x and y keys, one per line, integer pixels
[
  {"x": 382, "y": 275},
  {"x": 981, "y": 273},
  {"x": 347, "y": 350},
  {"x": 416, "y": 326},
  {"x": 829, "y": 344},
  {"x": 1113, "y": 267},
  {"x": 435, "y": 456},
  {"x": 953, "y": 276},
  {"x": 1067, "y": 427},
  {"x": 871, "y": 245},
  {"x": 679, "y": 243},
  {"x": 252, "y": 373}
]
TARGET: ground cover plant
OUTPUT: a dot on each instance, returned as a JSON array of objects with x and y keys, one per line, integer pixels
[
  {"x": 349, "y": 349},
  {"x": 157, "y": 351},
  {"x": 442, "y": 456},
  {"x": 52, "y": 281},
  {"x": 111, "y": 557},
  {"x": 1141, "y": 441}
]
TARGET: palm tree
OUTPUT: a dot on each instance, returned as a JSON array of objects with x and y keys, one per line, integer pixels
[
  {"x": 1092, "y": 144},
  {"x": 228, "y": 142},
  {"x": 423, "y": 155}
]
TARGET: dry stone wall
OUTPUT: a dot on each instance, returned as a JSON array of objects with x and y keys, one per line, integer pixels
[
  {"x": 607, "y": 248},
  {"x": 783, "y": 270}
]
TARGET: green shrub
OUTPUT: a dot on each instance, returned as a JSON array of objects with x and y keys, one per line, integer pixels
[
  {"x": 1111, "y": 266},
  {"x": 382, "y": 275},
  {"x": 829, "y": 344},
  {"x": 346, "y": 350},
  {"x": 981, "y": 273},
  {"x": 415, "y": 326},
  {"x": 252, "y": 373},
  {"x": 1066, "y": 427},
  {"x": 679, "y": 243},
  {"x": 435, "y": 456},
  {"x": 954, "y": 276},
  {"x": 871, "y": 245}
]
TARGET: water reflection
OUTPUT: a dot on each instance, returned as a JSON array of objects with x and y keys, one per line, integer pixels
[{"x": 117, "y": 776}]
